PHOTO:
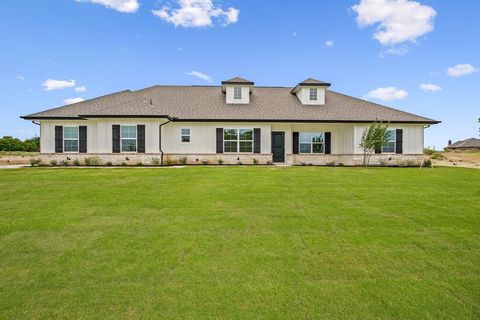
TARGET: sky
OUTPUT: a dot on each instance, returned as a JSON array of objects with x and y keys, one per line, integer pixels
[{"x": 419, "y": 56}]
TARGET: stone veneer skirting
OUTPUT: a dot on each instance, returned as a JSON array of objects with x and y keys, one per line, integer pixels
[{"x": 295, "y": 159}]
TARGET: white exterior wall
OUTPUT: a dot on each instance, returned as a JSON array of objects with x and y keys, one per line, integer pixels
[
  {"x": 345, "y": 137},
  {"x": 230, "y": 97},
  {"x": 303, "y": 95},
  {"x": 412, "y": 137}
]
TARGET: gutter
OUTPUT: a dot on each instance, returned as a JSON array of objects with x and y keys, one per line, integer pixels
[{"x": 169, "y": 119}]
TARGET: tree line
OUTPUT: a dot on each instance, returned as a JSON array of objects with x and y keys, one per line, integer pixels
[{"x": 9, "y": 143}]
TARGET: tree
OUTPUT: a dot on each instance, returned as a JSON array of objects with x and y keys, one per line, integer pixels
[
  {"x": 8, "y": 143},
  {"x": 373, "y": 138}
]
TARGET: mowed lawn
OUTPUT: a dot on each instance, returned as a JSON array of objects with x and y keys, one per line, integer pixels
[{"x": 240, "y": 243}]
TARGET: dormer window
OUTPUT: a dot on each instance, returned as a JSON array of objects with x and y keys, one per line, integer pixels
[
  {"x": 313, "y": 94},
  {"x": 237, "y": 93}
]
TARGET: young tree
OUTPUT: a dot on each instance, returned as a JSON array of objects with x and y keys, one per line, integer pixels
[{"x": 373, "y": 138}]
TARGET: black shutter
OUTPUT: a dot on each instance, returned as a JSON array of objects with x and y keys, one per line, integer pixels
[
  {"x": 141, "y": 138},
  {"x": 295, "y": 143},
  {"x": 378, "y": 149},
  {"x": 399, "y": 140},
  {"x": 328, "y": 142},
  {"x": 219, "y": 140},
  {"x": 256, "y": 140},
  {"x": 82, "y": 141},
  {"x": 58, "y": 139},
  {"x": 116, "y": 138}
]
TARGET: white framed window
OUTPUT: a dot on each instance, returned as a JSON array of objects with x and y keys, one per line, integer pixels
[
  {"x": 238, "y": 140},
  {"x": 390, "y": 146},
  {"x": 313, "y": 94},
  {"x": 311, "y": 142},
  {"x": 70, "y": 139},
  {"x": 237, "y": 93},
  {"x": 185, "y": 133},
  {"x": 128, "y": 137}
]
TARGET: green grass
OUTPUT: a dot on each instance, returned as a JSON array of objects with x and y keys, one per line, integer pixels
[{"x": 240, "y": 243}]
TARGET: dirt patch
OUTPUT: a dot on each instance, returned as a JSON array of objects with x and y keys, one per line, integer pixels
[
  {"x": 17, "y": 157},
  {"x": 467, "y": 159}
]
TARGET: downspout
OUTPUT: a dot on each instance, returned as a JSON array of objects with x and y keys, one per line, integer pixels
[{"x": 160, "y": 138}]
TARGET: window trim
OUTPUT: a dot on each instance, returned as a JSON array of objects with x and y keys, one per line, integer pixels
[
  {"x": 136, "y": 138},
  {"x": 234, "y": 93},
  {"x": 394, "y": 140},
  {"x": 316, "y": 94},
  {"x": 238, "y": 140},
  {"x": 189, "y": 135},
  {"x": 311, "y": 142},
  {"x": 70, "y": 139}
]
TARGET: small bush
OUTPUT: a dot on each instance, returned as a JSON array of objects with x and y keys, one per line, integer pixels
[
  {"x": 427, "y": 163},
  {"x": 64, "y": 163},
  {"x": 156, "y": 161},
  {"x": 124, "y": 164},
  {"x": 383, "y": 162},
  {"x": 35, "y": 162},
  {"x": 169, "y": 162},
  {"x": 220, "y": 161},
  {"x": 205, "y": 162},
  {"x": 109, "y": 163},
  {"x": 240, "y": 163},
  {"x": 139, "y": 164},
  {"x": 183, "y": 161},
  {"x": 76, "y": 162},
  {"x": 269, "y": 162},
  {"x": 92, "y": 161},
  {"x": 255, "y": 161},
  {"x": 53, "y": 163}
]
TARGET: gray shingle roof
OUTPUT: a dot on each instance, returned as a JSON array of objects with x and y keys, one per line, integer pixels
[
  {"x": 238, "y": 80},
  {"x": 468, "y": 143},
  {"x": 207, "y": 103},
  {"x": 312, "y": 82}
]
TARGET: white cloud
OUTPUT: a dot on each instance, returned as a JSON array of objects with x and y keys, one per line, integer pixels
[
  {"x": 196, "y": 13},
  {"x": 430, "y": 87},
  {"x": 387, "y": 94},
  {"x": 20, "y": 77},
  {"x": 73, "y": 100},
  {"x": 200, "y": 75},
  {"x": 398, "y": 20},
  {"x": 80, "y": 89},
  {"x": 461, "y": 70},
  {"x": 329, "y": 43},
  {"x": 127, "y": 6},
  {"x": 294, "y": 34},
  {"x": 51, "y": 84}
]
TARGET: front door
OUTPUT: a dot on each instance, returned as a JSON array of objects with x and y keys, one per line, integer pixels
[{"x": 278, "y": 146}]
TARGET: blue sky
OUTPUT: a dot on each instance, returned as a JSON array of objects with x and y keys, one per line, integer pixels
[{"x": 375, "y": 50}]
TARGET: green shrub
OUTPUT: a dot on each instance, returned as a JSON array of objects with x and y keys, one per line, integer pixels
[
  {"x": 255, "y": 161},
  {"x": 109, "y": 163},
  {"x": 183, "y": 161},
  {"x": 156, "y": 161},
  {"x": 53, "y": 163},
  {"x": 427, "y": 163},
  {"x": 205, "y": 162},
  {"x": 239, "y": 163},
  {"x": 124, "y": 164},
  {"x": 169, "y": 162},
  {"x": 92, "y": 161},
  {"x": 64, "y": 163},
  {"x": 220, "y": 161},
  {"x": 139, "y": 164},
  {"x": 269, "y": 162},
  {"x": 76, "y": 162},
  {"x": 35, "y": 162}
]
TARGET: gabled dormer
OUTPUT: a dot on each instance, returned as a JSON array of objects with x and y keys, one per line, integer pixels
[
  {"x": 237, "y": 90},
  {"x": 311, "y": 91}
]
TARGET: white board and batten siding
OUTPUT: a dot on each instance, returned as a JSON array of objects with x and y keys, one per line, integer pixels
[{"x": 345, "y": 137}]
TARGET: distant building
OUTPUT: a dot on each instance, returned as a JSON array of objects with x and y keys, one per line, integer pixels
[{"x": 464, "y": 145}]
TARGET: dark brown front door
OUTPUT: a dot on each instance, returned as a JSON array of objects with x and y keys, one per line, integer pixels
[{"x": 278, "y": 146}]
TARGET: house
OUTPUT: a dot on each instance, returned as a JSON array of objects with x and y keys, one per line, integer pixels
[
  {"x": 234, "y": 122},
  {"x": 471, "y": 144}
]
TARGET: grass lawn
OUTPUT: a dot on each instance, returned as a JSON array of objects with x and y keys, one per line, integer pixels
[{"x": 240, "y": 243}]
